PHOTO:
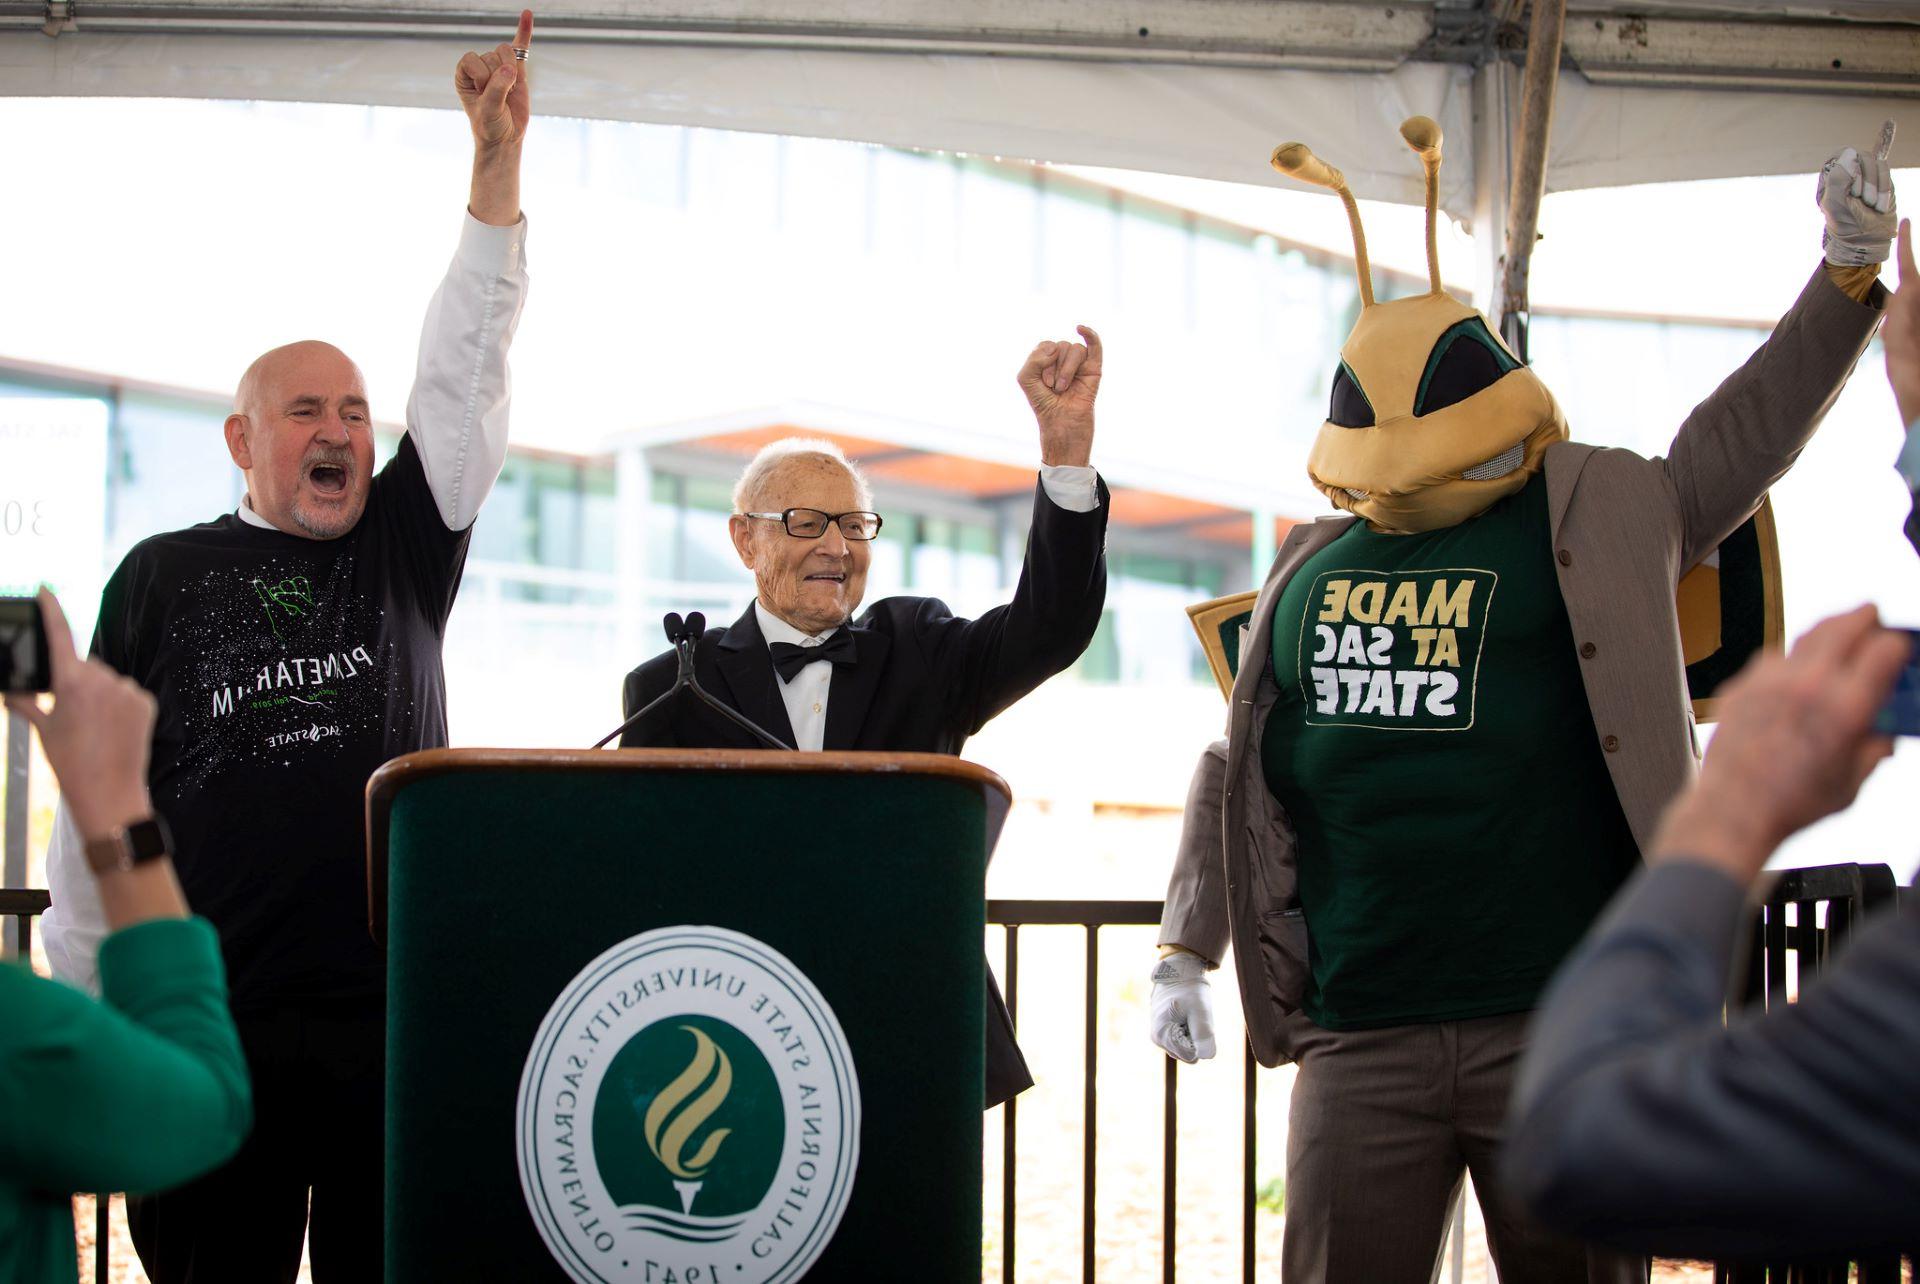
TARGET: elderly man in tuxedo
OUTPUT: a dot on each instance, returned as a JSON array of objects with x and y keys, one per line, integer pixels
[{"x": 907, "y": 674}]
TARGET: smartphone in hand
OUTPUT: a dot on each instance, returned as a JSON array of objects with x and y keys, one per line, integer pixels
[
  {"x": 1900, "y": 715},
  {"x": 23, "y": 647}
]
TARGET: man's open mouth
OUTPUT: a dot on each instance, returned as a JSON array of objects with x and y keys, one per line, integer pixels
[
  {"x": 830, "y": 577},
  {"x": 328, "y": 479}
]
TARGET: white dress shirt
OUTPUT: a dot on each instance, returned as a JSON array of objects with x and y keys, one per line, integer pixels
[
  {"x": 1072, "y": 487},
  {"x": 806, "y": 695},
  {"x": 457, "y": 417}
]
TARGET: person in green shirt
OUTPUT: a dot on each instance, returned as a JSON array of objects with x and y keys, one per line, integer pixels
[{"x": 145, "y": 1087}]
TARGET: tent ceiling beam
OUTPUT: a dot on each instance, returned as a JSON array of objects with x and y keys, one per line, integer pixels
[
  {"x": 1760, "y": 48},
  {"x": 1250, "y": 33},
  {"x": 1826, "y": 56}
]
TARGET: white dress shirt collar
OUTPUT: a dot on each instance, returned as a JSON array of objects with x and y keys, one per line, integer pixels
[
  {"x": 774, "y": 629},
  {"x": 246, "y": 514}
]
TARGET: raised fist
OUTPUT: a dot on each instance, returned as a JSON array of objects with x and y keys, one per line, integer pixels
[
  {"x": 1061, "y": 380},
  {"x": 1856, "y": 197}
]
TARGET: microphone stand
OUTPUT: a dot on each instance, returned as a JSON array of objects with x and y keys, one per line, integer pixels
[{"x": 682, "y": 634}]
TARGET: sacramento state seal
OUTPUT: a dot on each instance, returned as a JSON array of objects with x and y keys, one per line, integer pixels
[{"x": 689, "y": 1114}]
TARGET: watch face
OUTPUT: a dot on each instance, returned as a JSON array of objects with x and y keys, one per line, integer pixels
[{"x": 148, "y": 840}]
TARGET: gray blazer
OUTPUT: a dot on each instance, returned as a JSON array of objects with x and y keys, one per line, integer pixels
[
  {"x": 1624, "y": 529},
  {"x": 1639, "y": 1121}
]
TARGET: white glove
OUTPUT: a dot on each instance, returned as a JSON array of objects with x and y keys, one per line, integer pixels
[
  {"x": 1182, "y": 1016},
  {"x": 1856, "y": 196}
]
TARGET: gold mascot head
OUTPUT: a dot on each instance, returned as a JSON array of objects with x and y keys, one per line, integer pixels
[{"x": 1433, "y": 418}]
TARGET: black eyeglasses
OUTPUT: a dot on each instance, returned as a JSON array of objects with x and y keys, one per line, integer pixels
[{"x": 811, "y": 523}]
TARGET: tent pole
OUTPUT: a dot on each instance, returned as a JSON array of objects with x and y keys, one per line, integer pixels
[
  {"x": 1545, "y": 28},
  {"x": 1493, "y": 83}
]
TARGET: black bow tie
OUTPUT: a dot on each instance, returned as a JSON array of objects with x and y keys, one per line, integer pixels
[{"x": 789, "y": 659}]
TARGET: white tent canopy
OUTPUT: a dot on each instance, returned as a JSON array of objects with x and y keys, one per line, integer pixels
[{"x": 1196, "y": 87}]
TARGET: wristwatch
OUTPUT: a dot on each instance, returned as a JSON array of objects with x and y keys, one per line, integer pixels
[{"x": 136, "y": 844}]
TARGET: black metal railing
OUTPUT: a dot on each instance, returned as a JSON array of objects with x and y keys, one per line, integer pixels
[
  {"x": 1809, "y": 915},
  {"x": 1091, "y": 916}
]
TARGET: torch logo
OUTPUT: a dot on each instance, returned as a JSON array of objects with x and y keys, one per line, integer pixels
[{"x": 676, "y": 1113}]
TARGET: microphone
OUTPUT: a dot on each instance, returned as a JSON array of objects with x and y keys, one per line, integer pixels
[{"x": 682, "y": 634}]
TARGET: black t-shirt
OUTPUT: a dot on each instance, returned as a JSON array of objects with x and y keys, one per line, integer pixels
[{"x": 287, "y": 669}]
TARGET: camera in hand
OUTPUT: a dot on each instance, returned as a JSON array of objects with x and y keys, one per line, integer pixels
[
  {"x": 23, "y": 647},
  {"x": 1900, "y": 715}
]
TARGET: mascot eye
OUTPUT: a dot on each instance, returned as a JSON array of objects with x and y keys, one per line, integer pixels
[
  {"x": 1464, "y": 361},
  {"x": 1350, "y": 408}
]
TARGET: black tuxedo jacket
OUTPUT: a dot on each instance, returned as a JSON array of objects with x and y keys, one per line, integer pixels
[{"x": 923, "y": 680}]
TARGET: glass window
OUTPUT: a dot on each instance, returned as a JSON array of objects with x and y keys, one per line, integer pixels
[
  {"x": 647, "y": 162},
  {"x": 557, "y": 514},
  {"x": 505, "y": 531},
  {"x": 736, "y": 178},
  {"x": 663, "y": 528},
  {"x": 1100, "y": 662},
  {"x": 913, "y": 201},
  {"x": 999, "y": 225},
  {"x": 1080, "y": 258},
  {"x": 1226, "y": 282},
  {"x": 172, "y": 467},
  {"x": 1154, "y": 261},
  {"x": 889, "y": 575},
  {"x": 824, "y": 195},
  {"x": 708, "y": 554},
  {"x": 933, "y": 557},
  {"x": 599, "y": 521},
  {"x": 976, "y": 566}
]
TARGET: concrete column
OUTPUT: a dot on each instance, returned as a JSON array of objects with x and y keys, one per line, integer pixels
[
  {"x": 13, "y": 862},
  {"x": 633, "y": 497},
  {"x": 1263, "y": 544}
]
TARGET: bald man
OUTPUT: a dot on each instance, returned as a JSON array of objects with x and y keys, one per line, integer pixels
[{"x": 294, "y": 646}]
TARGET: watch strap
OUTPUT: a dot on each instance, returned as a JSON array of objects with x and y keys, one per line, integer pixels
[{"x": 135, "y": 844}]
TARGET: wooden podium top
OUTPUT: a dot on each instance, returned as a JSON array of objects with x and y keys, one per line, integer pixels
[{"x": 408, "y": 769}]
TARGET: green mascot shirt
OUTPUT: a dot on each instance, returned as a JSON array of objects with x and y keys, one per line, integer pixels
[{"x": 1458, "y": 831}]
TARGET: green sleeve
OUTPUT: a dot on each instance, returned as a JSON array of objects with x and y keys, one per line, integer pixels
[{"x": 139, "y": 1092}]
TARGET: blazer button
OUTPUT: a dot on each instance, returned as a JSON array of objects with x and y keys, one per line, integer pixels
[
  {"x": 1566, "y": 557},
  {"x": 1588, "y": 650},
  {"x": 1611, "y": 744}
]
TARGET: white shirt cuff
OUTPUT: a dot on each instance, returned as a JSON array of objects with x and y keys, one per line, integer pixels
[
  {"x": 490, "y": 250},
  {"x": 1074, "y": 487}
]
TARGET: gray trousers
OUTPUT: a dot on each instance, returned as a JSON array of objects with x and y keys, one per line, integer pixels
[{"x": 1384, "y": 1125}]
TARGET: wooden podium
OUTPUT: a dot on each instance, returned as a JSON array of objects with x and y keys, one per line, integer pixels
[{"x": 682, "y": 1017}]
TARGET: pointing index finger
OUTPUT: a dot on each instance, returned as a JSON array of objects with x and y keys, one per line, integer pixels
[{"x": 523, "y": 34}]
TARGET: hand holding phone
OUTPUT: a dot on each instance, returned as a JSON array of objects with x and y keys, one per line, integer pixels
[
  {"x": 98, "y": 734},
  {"x": 23, "y": 647}
]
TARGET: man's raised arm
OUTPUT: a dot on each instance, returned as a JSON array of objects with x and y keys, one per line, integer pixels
[{"x": 457, "y": 414}]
